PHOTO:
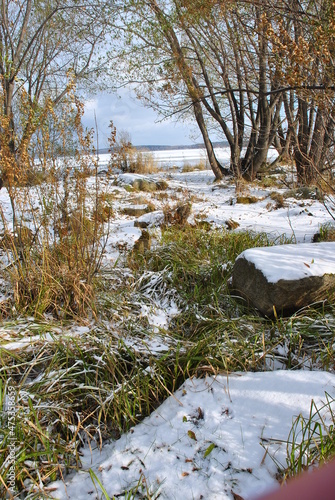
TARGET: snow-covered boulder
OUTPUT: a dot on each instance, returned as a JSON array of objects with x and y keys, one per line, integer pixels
[
  {"x": 285, "y": 278},
  {"x": 151, "y": 219},
  {"x": 136, "y": 210}
]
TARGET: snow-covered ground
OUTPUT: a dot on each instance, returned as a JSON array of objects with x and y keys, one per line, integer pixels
[
  {"x": 215, "y": 437},
  {"x": 207, "y": 441},
  {"x": 298, "y": 220}
]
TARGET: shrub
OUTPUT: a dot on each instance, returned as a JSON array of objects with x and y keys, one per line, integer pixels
[
  {"x": 201, "y": 165},
  {"x": 56, "y": 254},
  {"x": 127, "y": 158}
]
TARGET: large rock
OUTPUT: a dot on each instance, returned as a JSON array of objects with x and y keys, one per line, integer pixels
[
  {"x": 141, "y": 183},
  {"x": 151, "y": 219},
  {"x": 285, "y": 278},
  {"x": 136, "y": 210}
]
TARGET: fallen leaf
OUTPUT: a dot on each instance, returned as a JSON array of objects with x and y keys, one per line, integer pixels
[
  {"x": 191, "y": 435},
  {"x": 200, "y": 414},
  {"x": 236, "y": 496},
  {"x": 209, "y": 449}
]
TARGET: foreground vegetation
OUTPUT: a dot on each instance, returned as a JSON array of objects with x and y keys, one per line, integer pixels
[
  {"x": 78, "y": 384},
  {"x": 84, "y": 367}
]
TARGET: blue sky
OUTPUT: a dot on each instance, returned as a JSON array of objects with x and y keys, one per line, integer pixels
[{"x": 144, "y": 126}]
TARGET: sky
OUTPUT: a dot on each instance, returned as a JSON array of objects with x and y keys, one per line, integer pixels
[{"x": 144, "y": 125}]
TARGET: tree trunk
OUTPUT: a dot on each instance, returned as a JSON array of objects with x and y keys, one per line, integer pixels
[
  {"x": 263, "y": 131},
  {"x": 217, "y": 168},
  {"x": 186, "y": 73}
]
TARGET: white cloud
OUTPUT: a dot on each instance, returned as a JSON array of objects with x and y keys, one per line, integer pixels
[
  {"x": 129, "y": 114},
  {"x": 90, "y": 106}
]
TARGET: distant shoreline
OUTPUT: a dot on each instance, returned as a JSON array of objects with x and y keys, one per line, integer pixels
[{"x": 221, "y": 144}]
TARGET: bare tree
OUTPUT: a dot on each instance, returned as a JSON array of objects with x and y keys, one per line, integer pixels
[
  {"x": 44, "y": 48},
  {"x": 233, "y": 50},
  {"x": 211, "y": 60},
  {"x": 259, "y": 73}
]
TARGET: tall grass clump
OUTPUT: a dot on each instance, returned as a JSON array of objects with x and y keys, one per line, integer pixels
[
  {"x": 127, "y": 158},
  {"x": 199, "y": 261},
  {"x": 56, "y": 238},
  {"x": 311, "y": 440}
]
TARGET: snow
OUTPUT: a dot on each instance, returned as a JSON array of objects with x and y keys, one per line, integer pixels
[
  {"x": 208, "y": 440},
  {"x": 24, "y": 339},
  {"x": 178, "y": 157},
  {"x": 152, "y": 219},
  {"x": 159, "y": 317},
  {"x": 293, "y": 262}
]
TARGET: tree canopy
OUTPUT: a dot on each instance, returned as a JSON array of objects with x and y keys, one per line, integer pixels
[
  {"x": 259, "y": 73},
  {"x": 45, "y": 47}
]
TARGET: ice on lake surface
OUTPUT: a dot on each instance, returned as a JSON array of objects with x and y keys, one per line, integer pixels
[
  {"x": 187, "y": 156},
  {"x": 181, "y": 157}
]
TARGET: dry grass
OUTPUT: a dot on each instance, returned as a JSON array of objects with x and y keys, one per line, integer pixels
[
  {"x": 178, "y": 214},
  {"x": 188, "y": 167},
  {"x": 97, "y": 384},
  {"x": 54, "y": 257}
]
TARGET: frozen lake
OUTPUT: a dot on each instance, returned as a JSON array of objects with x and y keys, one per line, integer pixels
[
  {"x": 170, "y": 158},
  {"x": 182, "y": 157}
]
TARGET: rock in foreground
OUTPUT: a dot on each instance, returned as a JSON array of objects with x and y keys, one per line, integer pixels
[{"x": 285, "y": 278}]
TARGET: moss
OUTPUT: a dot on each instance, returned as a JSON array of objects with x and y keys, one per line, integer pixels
[
  {"x": 162, "y": 185},
  {"x": 129, "y": 188},
  {"x": 269, "y": 181}
]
